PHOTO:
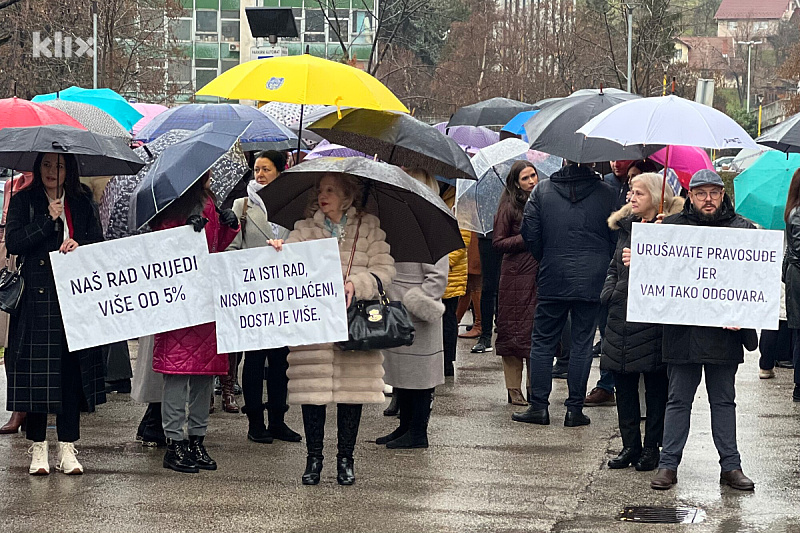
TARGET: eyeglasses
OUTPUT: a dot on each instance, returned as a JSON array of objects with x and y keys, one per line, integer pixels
[{"x": 702, "y": 195}]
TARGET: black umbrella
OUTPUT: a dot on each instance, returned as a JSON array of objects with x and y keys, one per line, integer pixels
[
  {"x": 552, "y": 130},
  {"x": 398, "y": 139},
  {"x": 97, "y": 155},
  {"x": 784, "y": 137},
  {"x": 419, "y": 226},
  {"x": 491, "y": 112},
  {"x": 179, "y": 166}
]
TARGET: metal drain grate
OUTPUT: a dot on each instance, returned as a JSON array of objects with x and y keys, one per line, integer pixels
[{"x": 662, "y": 515}]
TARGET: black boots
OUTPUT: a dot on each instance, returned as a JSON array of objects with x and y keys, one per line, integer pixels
[
  {"x": 393, "y": 408},
  {"x": 178, "y": 457},
  {"x": 649, "y": 460},
  {"x": 277, "y": 427},
  {"x": 626, "y": 457},
  {"x": 199, "y": 453},
  {"x": 348, "y": 419},
  {"x": 400, "y": 400},
  {"x": 314, "y": 425},
  {"x": 419, "y": 404},
  {"x": 151, "y": 431}
]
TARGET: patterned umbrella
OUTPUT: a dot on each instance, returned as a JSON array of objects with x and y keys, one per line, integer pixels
[
  {"x": 326, "y": 149},
  {"x": 289, "y": 116},
  {"x": 93, "y": 118},
  {"x": 106, "y": 99},
  {"x": 115, "y": 204}
]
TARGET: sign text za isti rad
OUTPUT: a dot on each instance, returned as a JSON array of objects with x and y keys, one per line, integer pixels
[
  {"x": 131, "y": 287},
  {"x": 705, "y": 276},
  {"x": 268, "y": 299}
]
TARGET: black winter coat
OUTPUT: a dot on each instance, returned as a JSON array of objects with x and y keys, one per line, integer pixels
[
  {"x": 565, "y": 227},
  {"x": 36, "y": 333},
  {"x": 699, "y": 344},
  {"x": 628, "y": 347},
  {"x": 792, "y": 269}
]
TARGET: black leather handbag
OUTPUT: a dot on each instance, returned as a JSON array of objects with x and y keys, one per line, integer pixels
[
  {"x": 11, "y": 286},
  {"x": 376, "y": 324}
]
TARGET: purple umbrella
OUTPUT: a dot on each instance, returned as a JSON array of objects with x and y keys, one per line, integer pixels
[
  {"x": 470, "y": 136},
  {"x": 327, "y": 149}
]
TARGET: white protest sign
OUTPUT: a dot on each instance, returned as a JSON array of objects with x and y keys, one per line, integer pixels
[
  {"x": 268, "y": 299},
  {"x": 705, "y": 276},
  {"x": 126, "y": 288}
]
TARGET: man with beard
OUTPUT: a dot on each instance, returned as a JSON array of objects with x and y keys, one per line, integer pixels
[{"x": 691, "y": 350}]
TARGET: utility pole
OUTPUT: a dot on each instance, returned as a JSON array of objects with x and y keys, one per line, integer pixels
[
  {"x": 750, "y": 45},
  {"x": 94, "y": 43},
  {"x": 629, "y": 7}
]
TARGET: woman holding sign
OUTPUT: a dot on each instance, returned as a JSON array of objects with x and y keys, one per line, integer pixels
[
  {"x": 56, "y": 213},
  {"x": 321, "y": 374},
  {"x": 188, "y": 357},
  {"x": 632, "y": 348},
  {"x": 256, "y": 232}
]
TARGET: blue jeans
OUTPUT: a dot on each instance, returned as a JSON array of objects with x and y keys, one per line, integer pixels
[
  {"x": 548, "y": 324},
  {"x": 606, "y": 381}
]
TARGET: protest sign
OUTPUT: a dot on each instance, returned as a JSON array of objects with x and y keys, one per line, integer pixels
[
  {"x": 705, "y": 276},
  {"x": 127, "y": 288},
  {"x": 268, "y": 299}
]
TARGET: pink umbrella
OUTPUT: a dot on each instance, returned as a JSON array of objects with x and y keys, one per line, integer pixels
[
  {"x": 150, "y": 111},
  {"x": 684, "y": 160}
]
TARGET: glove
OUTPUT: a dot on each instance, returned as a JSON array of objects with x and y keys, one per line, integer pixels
[
  {"x": 197, "y": 222},
  {"x": 228, "y": 217}
]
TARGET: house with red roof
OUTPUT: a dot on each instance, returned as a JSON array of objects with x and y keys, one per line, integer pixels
[{"x": 748, "y": 19}]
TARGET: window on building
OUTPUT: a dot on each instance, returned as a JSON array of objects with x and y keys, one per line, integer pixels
[
  {"x": 228, "y": 64},
  {"x": 733, "y": 25},
  {"x": 315, "y": 26},
  {"x": 362, "y": 27},
  {"x": 760, "y": 26},
  {"x": 339, "y": 27},
  {"x": 206, "y": 26},
  {"x": 678, "y": 54},
  {"x": 204, "y": 76},
  {"x": 230, "y": 30},
  {"x": 227, "y": 14},
  {"x": 179, "y": 71},
  {"x": 180, "y": 29},
  {"x": 205, "y": 63}
]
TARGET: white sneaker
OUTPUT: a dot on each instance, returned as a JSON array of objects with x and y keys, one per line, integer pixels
[
  {"x": 67, "y": 462},
  {"x": 39, "y": 464},
  {"x": 766, "y": 374}
]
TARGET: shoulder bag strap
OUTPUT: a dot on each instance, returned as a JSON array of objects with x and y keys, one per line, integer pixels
[
  {"x": 353, "y": 251},
  {"x": 243, "y": 219}
]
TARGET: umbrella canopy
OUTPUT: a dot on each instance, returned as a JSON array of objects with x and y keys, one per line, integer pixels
[
  {"x": 745, "y": 158},
  {"x": 106, "y": 99},
  {"x": 784, "y": 137},
  {"x": 327, "y": 149},
  {"x": 115, "y": 204},
  {"x": 303, "y": 79},
  {"x": 149, "y": 112},
  {"x": 92, "y": 118},
  {"x": 290, "y": 114},
  {"x": 684, "y": 160},
  {"x": 469, "y": 137},
  {"x": 517, "y": 124},
  {"x": 586, "y": 92},
  {"x": 418, "y": 224},
  {"x": 264, "y": 132},
  {"x": 491, "y": 112},
  {"x": 179, "y": 166},
  {"x": 552, "y": 130},
  {"x": 667, "y": 120},
  {"x": 761, "y": 190},
  {"x": 19, "y": 113},
  {"x": 477, "y": 202},
  {"x": 97, "y": 155},
  {"x": 398, "y": 139},
  {"x": 546, "y": 101}
]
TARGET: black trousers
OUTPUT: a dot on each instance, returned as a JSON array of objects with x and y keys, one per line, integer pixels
[
  {"x": 68, "y": 421},
  {"x": 277, "y": 383},
  {"x": 490, "y": 269},
  {"x": 656, "y": 392},
  {"x": 450, "y": 330},
  {"x": 775, "y": 345},
  {"x": 118, "y": 361}
]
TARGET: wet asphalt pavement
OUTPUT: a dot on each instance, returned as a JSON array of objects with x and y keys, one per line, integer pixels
[{"x": 483, "y": 472}]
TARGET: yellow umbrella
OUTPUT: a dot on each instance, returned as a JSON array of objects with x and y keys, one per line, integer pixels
[{"x": 303, "y": 79}]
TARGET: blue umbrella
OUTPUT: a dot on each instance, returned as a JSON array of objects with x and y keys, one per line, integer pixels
[
  {"x": 178, "y": 168},
  {"x": 762, "y": 189},
  {"x": 517, "y": 124},
  {"x": 106, "y": 99},
  {"x": 264, "y": 133}
]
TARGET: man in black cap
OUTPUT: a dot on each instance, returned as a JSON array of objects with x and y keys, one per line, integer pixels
[{"x": 691, "y": 350}]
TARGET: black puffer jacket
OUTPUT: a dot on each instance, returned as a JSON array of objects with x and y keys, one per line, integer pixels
[
  {"x": 565, "y": 227},
  {"x": 792, "y": 269},
  {"x": 628, "y": 347},
  {"x": 704, "y": 345}
]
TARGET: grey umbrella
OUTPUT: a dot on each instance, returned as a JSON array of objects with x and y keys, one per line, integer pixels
[
  {"x": 784, "y": 137},
  {"x": 115, "y": 203},
  {"x": 552, "y": 130},
  {"x": 97, "y": 155},
  {"x": 93, "y": 118},
  {"x": 419, "y": 226},
  {"x": 491, "y": 112},
  {"x": 398, "y": 139}
]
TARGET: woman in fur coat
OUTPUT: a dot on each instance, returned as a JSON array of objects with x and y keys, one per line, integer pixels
[
  {"x": 321, "y": 374},
  {"x": 413, "y": 371}
]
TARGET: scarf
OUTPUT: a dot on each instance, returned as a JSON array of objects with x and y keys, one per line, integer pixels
[
  {"x": 252, "y": 194},
  {"x": 65, "y": 217},
  {"x": 337, "y": 230}
]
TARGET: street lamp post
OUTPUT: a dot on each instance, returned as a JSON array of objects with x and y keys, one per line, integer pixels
[
  {"x": 94, "y": 44},
  {"x": 629, "y": 7},
  {"x": 760, "y": 99},
  {"x": 750, "y": 45}
]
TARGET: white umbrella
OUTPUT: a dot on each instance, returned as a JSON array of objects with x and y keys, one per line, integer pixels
[{"x": 668, "y": 120}]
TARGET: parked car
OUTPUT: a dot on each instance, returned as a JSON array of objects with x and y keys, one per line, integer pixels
[{"x": 723, "y": 163}]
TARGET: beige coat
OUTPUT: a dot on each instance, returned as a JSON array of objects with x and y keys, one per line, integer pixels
[
  {"x": 321, "y": 374},
  {"x": 257, "y": 229}
]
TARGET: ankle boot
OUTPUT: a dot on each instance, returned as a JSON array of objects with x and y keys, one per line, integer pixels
[
  {"x": 393, "y": 408},
  {"x": 348, "y": 418},
  {"x": 649, "y": 460},
  {"x": 199, "y": 453},
  {"x": 405, "y": 412},
  {"x": 178, "y": 458},
  {"x": 417, "y": 435},
  {"x": 152, "y": 429},
  {"x": 257, "y": 431},
  {"x": 314, "y": 426},
  {"x": 277, "y": 427},
  {"x": 14, "y": 423}
]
